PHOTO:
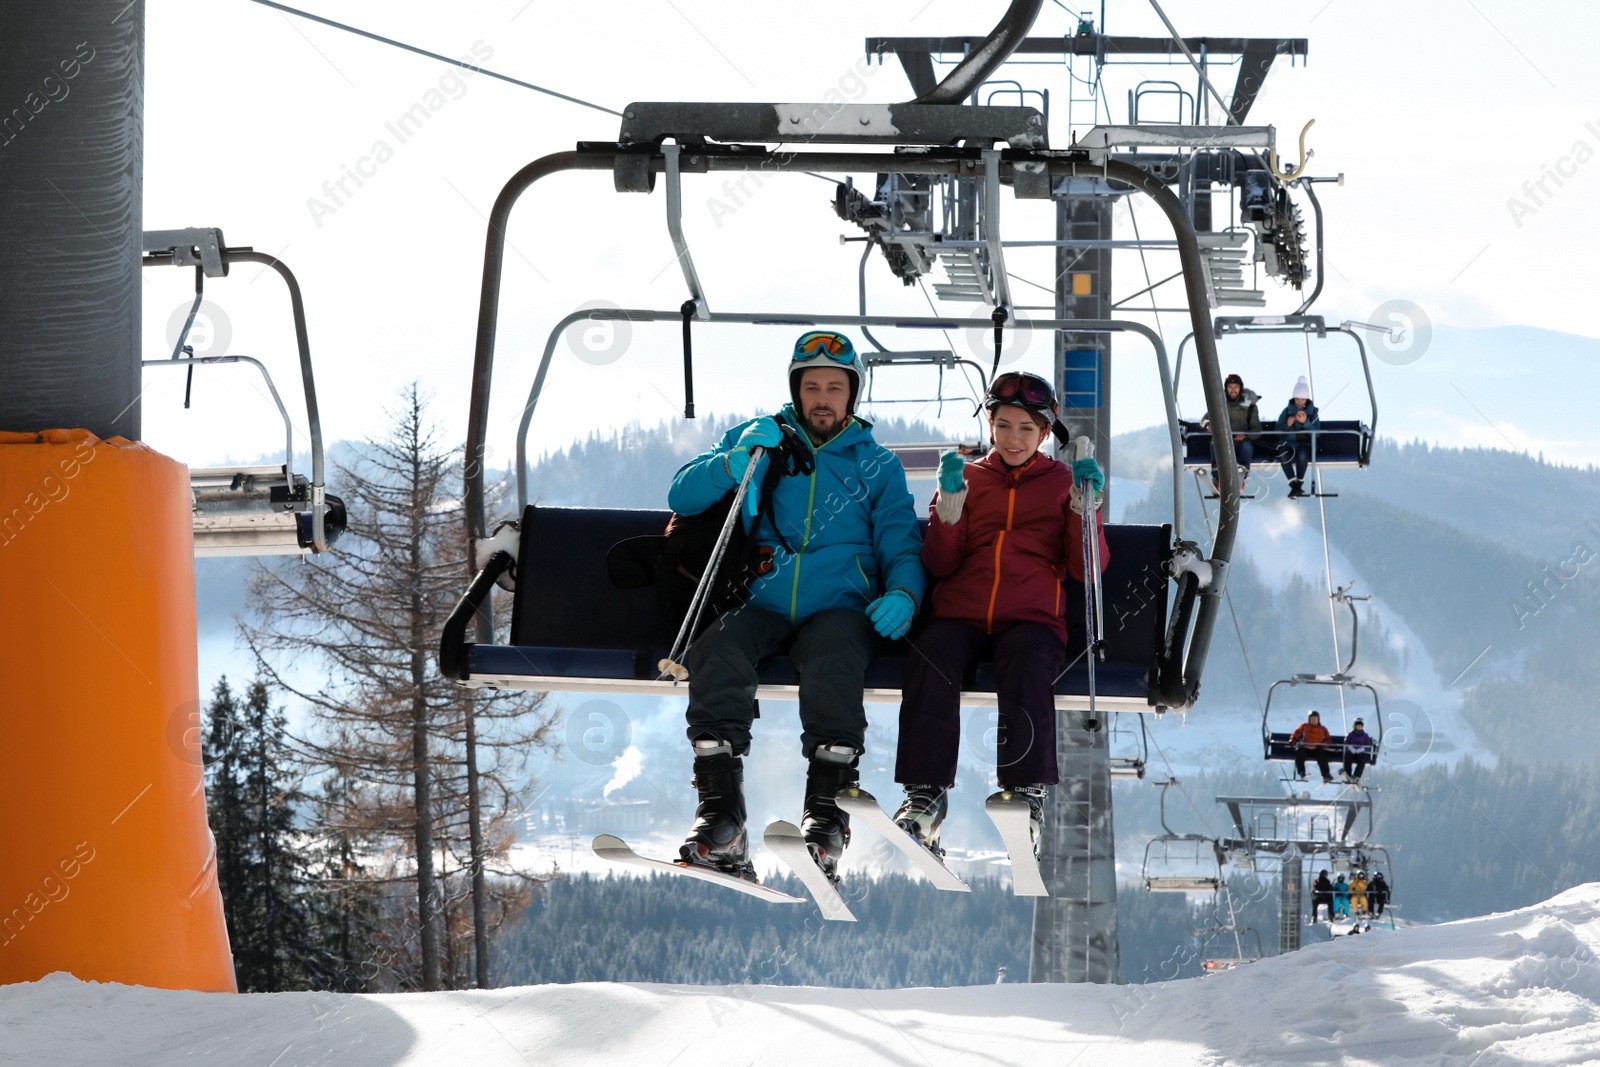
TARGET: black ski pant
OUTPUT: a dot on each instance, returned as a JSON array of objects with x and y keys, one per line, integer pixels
[
  {"x": 830, "y": 652},
  {"x": 1027, "y": 659},
  {"x": 1318, "y": 754},
  {"x": 1355, "y": 763},
  {"x": 1322, "y": 900}
]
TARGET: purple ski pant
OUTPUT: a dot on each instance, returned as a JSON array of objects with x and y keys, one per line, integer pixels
[{"x": 1027, "y": 658}]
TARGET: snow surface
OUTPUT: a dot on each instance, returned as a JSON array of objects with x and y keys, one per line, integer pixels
[{"x": 1521, "y": 987}]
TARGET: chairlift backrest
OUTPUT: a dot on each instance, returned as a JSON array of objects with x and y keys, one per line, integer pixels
[{"x": 574, "y": 629}]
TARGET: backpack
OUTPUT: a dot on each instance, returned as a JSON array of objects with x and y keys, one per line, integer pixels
[{"x": 676, "y": 559}]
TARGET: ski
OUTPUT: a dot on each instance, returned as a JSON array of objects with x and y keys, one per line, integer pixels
[
  {"x": 862, "y": 804},
  {"x": 1315, "y": 783},
  {"x": 785, "y": 840},
  {"x": 1010, "y": 816},
  {"x": 616, "y": 850}
]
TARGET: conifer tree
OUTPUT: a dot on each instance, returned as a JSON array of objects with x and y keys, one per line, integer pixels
[
  {"x": 365, "y": 621},
  {"x": 254, "y": 791}
]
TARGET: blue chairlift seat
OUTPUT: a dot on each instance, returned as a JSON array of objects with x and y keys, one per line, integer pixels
[
  {"x": 1338, "y": 443},
  {"x": 573, "y": 630},
  {"x": 1278, "y": 748}
]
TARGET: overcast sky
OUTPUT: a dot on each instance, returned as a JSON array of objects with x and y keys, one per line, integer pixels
[{"x": 1444, "y": 116}]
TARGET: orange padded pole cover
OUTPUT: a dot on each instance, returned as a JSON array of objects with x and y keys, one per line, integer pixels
[{"x": 107, "y": 867}]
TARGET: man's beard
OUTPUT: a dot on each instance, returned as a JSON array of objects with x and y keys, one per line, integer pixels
[{"x": 822, "y": 437}]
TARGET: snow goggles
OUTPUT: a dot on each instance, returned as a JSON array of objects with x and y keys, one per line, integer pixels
[
  {"x": 836, "y": 346},
  {"x": 1023, "y": 389}
]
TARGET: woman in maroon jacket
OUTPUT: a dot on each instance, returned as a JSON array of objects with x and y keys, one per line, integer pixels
[{"x": 1003, "y": 534}]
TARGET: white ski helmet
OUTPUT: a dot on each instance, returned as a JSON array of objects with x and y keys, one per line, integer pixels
[{"x": 824, "y": 348}]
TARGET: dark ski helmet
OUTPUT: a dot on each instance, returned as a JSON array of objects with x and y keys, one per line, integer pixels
[
  {"x": 1029, "y": 392},
  {"x": 824, "y": 348}
]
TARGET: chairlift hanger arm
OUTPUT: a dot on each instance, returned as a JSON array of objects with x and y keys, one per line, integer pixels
[
  {"x": 985, "y": 57},
  {"x": 314, "y": 418}
]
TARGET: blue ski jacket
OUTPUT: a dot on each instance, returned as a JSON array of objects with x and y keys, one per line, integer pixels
[{"x": 851, "y": 524}]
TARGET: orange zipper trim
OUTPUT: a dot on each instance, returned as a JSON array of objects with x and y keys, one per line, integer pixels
[{"x": 1011, "y": 507}]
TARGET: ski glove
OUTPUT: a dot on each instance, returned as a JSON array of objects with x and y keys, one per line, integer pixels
[
  {"x": 952, "y": 472},
  {"x": 1086, "y": 470},
  {"x": 764, "y": 433},
  {"x": 891, "y": 614}
]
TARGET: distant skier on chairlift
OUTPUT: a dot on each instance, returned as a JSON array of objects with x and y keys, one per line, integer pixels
[
  {"x": 851, "y": 527},
  {"x": 1357, "y": 753},
  {"x": 1310, "y": 739},
  {"x": 1003, "y": 533},
  {"x": 1245, "y": 421},
  {"x": 1321, "y": 896},
  {"x": 1297, "y": 426}
]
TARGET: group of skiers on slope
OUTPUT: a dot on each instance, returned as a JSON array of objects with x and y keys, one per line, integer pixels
[
  {"x": 1295, "y": 432},
  {"x": 1358, "y": 896},
  {"x": 1311, "y": 740},
  {"x": 849, "y": 565}
]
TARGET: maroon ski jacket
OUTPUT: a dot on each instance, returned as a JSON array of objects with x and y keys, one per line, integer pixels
[{"x": 1017, "y": 538}]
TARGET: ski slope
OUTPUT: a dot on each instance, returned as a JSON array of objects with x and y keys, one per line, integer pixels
[{"x": 1521, "y": 987}]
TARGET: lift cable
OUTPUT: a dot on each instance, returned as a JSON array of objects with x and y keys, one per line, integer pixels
[
  {"x": 432, "y": 55},
  {"x": 1327, "y": 560}
]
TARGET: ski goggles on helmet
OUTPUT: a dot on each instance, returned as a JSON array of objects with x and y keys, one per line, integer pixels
[
  {"x": 1024, "y": 390},
  {"x": 836, "y": 346}
]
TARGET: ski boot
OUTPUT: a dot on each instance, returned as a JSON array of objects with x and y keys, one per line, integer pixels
[
  {"x": 922, "y": 814},
  {"x": 1035, "y": 795},
  {"x": 718, "y": 839},
  {"x": 825, "y": 827}
]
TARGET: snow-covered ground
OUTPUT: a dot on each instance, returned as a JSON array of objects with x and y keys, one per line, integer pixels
[{"x": 1521, "y": 987}]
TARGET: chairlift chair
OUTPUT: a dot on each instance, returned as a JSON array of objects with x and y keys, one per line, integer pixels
[
  {"x": 573, "y": 630},
  {"x": 1129, "y": 748},
  {"x": 1337, "y": 443},
  {"x": 1181, "y": 863},
  {"x": 1215, "y": 964},
  {"x": 1276, "y": 742},
  {"x": 255, "y": 510},
  {"x": 1278, "y": 826}
]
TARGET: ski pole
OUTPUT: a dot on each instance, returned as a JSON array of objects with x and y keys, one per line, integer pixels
[
  {"x": 673, "y": 666},
  {"x": 1083, "y": 448}
]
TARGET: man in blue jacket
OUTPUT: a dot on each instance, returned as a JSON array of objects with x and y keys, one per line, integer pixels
[{"x": 846, "y": 561}]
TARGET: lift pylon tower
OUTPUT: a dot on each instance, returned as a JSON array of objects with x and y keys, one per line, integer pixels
[{"x": 1298, "y": 828}]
